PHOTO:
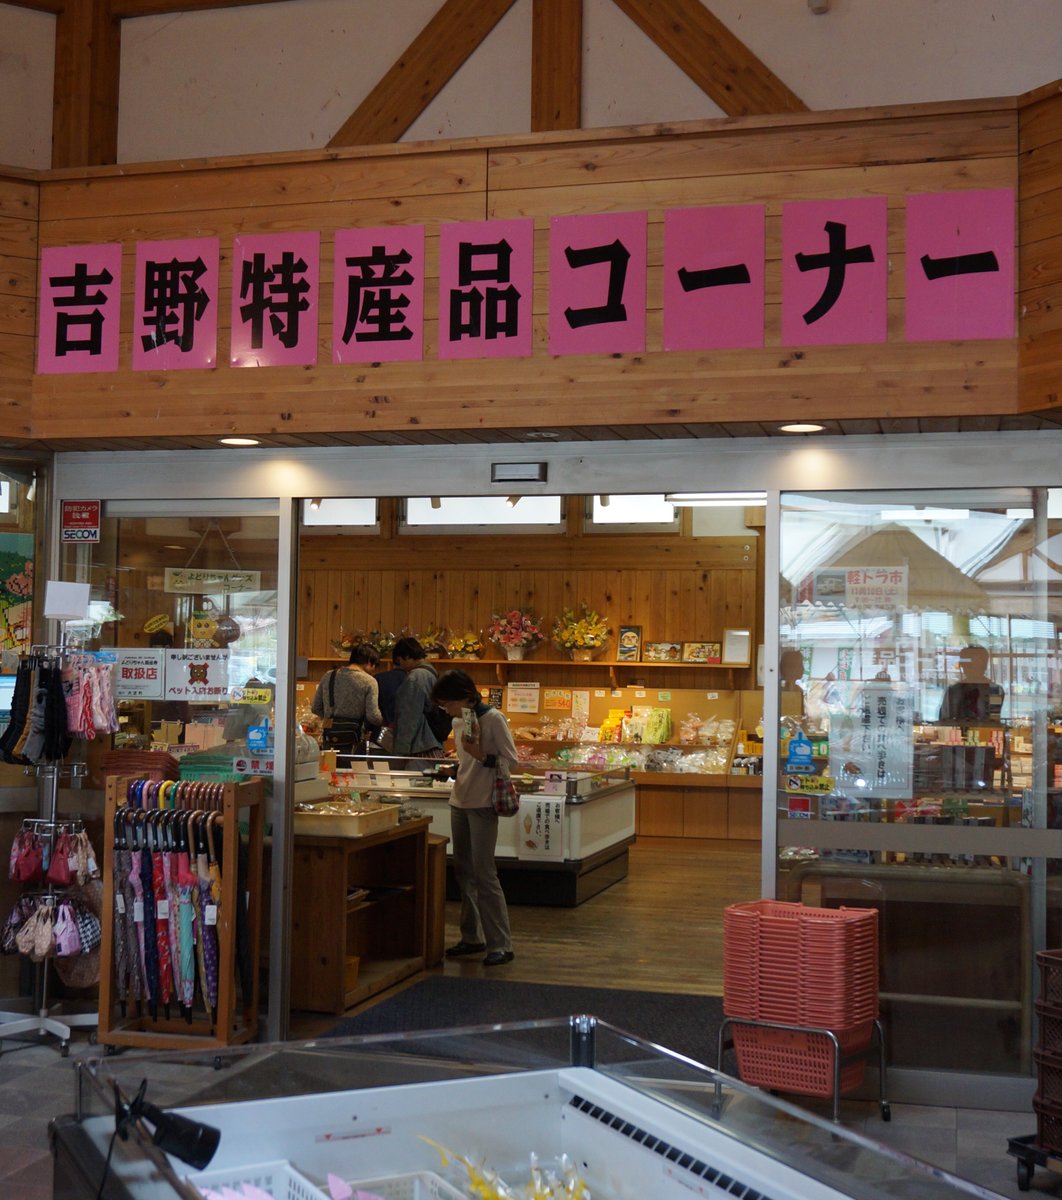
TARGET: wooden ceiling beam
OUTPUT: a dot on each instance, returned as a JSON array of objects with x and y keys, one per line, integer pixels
[
  {"x": 158, "y": 8},
  {"x": 420, "y": 73},
  {"x": 720, "y": 64},
  {"x": 88, "y": 43},
  {"x": 556, "y": 65}
]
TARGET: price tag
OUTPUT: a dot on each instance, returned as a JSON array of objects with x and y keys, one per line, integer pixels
[
  {"x": 138, "y": 911},
  {"x": 162, "y": 910},
  {"x": 119, "y": 901},
  {"x": 210, "y": 914}
]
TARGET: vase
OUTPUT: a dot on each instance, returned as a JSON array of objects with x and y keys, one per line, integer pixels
[
  {"x": 514, "y": 653},
  {"x": 582, "y": 655}
]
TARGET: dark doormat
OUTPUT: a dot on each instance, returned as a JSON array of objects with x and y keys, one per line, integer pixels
[{"x": 686, "y": 1024}]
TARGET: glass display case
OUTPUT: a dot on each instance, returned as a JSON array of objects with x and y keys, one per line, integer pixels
[
  {"x": 461, "y": 1113},
  {"x": 568, "y": 841}
]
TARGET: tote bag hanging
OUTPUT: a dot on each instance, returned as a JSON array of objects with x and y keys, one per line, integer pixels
[{"x": 506, "y": 797}]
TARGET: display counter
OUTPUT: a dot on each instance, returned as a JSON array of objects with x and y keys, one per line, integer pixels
[
  {"x": 568, "y": 842},
  {"x": 612, "y": 1113}
]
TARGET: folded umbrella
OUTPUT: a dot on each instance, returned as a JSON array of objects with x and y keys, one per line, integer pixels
[
  {"x": 147, "y": 893},
  {"x": 204, "y": 906},
  {"x": 121, "y": 945},
  {"x": 186, "y": 886}
]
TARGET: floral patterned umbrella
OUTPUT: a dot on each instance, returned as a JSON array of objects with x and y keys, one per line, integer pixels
[{"x": 160, "y": 914}]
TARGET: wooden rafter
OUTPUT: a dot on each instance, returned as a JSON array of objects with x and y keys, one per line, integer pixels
[
  {"x": 720, "y": 64},
  {"x": 87, "y": 62},
  {"x": 556, "y": 65},
  {"x": 421, "y": 72}
]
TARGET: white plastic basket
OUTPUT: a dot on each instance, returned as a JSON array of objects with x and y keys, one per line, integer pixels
[
  {"x": 279, "y": 1179},
  {"x": 423, "y": 1185}
]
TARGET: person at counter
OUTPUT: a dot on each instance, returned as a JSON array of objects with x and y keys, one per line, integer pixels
[
  {"x": 975, "y": 698},
  {"x": 413, "y": 737},
  {"x": 473, "y": 821},
  {"x": 348, "y": 698}
]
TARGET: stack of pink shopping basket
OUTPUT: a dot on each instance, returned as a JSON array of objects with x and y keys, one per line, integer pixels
[{"x": 793, "y": 965}]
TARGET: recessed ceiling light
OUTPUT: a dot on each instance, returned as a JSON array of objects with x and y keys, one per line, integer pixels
[
  {"x": 542, "y": 435},
  {"x": 238, "y": 441},
  {"x": 801, "y": 427}
]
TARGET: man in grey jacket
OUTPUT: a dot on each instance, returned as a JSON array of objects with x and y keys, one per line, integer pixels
[{"x": 413, "y": 736}]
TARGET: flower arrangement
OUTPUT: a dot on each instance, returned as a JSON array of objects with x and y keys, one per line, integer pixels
[
  {"x": 515, "y": 627},
  {"x": 587, "y": 631},
  {"x": 464, "y": 645},
  {"x": 346, "y": 641},
  {"x": 434, "y": 640}
]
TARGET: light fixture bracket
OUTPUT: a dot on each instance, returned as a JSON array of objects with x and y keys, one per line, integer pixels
[{"x": 519, "y": 472}]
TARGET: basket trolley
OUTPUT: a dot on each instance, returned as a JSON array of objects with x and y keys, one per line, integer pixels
[{"x": 800, "y": 997}]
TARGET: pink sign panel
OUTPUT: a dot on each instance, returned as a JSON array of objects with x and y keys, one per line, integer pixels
[
  {"x": 597, "y": 284},
  {"x": 175, "y": 305},
  {"x": 275, "y": 281},
  {"x": 80, "y": 303},
  {"x": 378, "y": 306},
  {"x": 486, "y": 289},
  {"x": 713, "y": 277},
  {"x": 960, "y": 265},
  {"x": 834, "y": 271}
]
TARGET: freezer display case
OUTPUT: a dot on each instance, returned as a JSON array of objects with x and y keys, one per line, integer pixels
[
  {"x": 565, "y": 1108},
  {"x": 568, "y": 842}
]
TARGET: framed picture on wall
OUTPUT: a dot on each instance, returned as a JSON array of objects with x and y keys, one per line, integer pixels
[
  {"x": 629, "y": 645},
  {"x": 737, "y": 647},
  {"x": 662, "y": 652},
  {"x": 702, "y": 652}
]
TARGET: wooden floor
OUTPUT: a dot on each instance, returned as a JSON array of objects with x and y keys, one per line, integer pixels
[{"x": 660, "y": 929}]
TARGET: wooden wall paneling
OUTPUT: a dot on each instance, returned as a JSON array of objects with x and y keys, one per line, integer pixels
[
  {"x": 704, "y": 810},
  {"x": 816, "y": 142},
  {"x": 328, "y": 187},
  {"x": 1040, "y": 253},
  {"x": 659, "y": 812},
  {"x": 18, "y": 307},
  {"x": 974, "y": 148},
  {"x": 744, "y": 820}
]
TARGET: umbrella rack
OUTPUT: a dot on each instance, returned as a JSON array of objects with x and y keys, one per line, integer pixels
[
  {"x": 125, "y": 1020},
  {"x": 49, "y": 1019}
]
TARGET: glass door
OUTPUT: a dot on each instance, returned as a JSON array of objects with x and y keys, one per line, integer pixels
[{"x": 920, "y": 708}]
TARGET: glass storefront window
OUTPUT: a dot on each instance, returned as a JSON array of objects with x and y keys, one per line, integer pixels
[
  {"x": 185, "y": 605},
  {"x": 920, "y": 754}
]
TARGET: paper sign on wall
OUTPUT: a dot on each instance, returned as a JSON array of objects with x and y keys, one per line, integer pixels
[
  {"x": 138, "y": 675},
  {"x": 522, "y": 698}
]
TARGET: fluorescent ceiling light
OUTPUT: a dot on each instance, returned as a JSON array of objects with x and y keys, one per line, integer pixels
[
  {"x": 238, "y": 441},
  {"x": 1019, "y": 514},
  {"x": 716, "y": 499},
  {"x": 925, "y": 514},
  {"x": 801, "y": 427}
]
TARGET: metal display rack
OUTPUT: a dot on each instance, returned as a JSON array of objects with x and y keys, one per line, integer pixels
[{"x": 48, "y": 1018}]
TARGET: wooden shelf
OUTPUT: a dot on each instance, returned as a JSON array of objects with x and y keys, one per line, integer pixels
[{"x": 385, "y": 932}]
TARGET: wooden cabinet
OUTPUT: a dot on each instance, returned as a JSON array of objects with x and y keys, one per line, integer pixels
[{"x": 358, "y": 915}]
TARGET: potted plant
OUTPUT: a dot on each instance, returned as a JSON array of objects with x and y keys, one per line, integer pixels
[
  {"x": 516, "y": 631},
  {"x": 582, "y": 634}
]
